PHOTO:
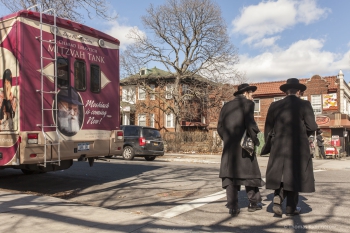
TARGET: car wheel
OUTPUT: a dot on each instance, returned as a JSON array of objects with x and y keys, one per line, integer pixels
[
  {"x": 128, "y": 153},
  {"x": 150, "y": 158}
]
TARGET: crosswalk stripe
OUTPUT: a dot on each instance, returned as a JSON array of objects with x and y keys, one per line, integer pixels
[
  {"x": 177, "y": 210},
  {"x": 190, "y": 205}
]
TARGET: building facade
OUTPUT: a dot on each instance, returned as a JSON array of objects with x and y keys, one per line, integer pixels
[
  {"x": 148, "y": 99},
  {"x": 330, "y": 100}
]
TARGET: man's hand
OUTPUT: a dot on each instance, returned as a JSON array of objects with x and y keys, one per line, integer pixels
[{"x": 256, "y": 142}]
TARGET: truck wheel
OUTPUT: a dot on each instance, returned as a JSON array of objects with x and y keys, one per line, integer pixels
[
  {"x": 128, "y": 153},
  {"x": 28, "y": 172},
  {"x": 150, "y": 158}
]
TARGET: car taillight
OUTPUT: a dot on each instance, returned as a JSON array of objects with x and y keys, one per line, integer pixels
[
  {"x": 142, "y": 141},
  {"x": 120, "y": 135},
  {"x": 32, "y": 138}
]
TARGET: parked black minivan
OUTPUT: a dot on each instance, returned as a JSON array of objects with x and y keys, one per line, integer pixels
[{"x": 142, "y": 141}]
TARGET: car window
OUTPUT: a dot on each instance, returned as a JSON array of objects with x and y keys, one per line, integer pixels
[
  {"x": 131, "y": 131},
  {"x": 152, "y": 133}
]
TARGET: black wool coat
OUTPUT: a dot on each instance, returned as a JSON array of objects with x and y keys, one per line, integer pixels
[
  {"x": 293, "y": 121},
  {"x": 319, "y": 140},
  {"x": 235, "y": 117}
]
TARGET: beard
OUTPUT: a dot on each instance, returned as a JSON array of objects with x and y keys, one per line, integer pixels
[{"x": 70, "y": 124}]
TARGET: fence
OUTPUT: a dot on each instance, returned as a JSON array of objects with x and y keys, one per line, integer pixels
[{"x": 197, "y": 142}]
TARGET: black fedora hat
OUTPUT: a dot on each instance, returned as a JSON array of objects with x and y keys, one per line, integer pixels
[
  {"x": 292, "y": 83},
  {"x": 69, "y": 95},
  {"x": 244, "y": 87}
]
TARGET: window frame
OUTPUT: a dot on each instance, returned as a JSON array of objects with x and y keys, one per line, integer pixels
[
  {"x": 277, "y": 98},
  {"x": 138, "y": 119},
  {"x": 169, "y": 93},
  {"x": 99, "y": 77},
  {"x": 152, "y": 96},
  {"x": 313, "y": 104},
  {"x": 172, "y": 120},
  {"x": 139, "y": 89},
  {"x": 68, "y": 72},
  {"x": 126, "y": 94},
  {"x": 84, "y": 75},
  {"x": 152, "y": 120},
  {"x": 259, "y": 102}
]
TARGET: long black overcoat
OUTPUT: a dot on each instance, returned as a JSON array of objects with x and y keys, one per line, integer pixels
[
  {"x": 235, "y": 117},
  {"x": 293, "y": 121}
]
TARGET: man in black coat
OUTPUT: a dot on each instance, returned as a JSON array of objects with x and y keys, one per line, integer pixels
[
  {"x": 320, "y": 143},
  {"x": 290, "y": 170},
  {"x": 238, "y": 167}
]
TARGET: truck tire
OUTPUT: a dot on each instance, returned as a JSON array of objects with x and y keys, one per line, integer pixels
[
  {"x": 28, "y": 172},
  {"x": 128, "y": 153}
]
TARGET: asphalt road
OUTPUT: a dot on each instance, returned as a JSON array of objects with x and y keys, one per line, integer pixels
[{"x": 161, "y": 187}]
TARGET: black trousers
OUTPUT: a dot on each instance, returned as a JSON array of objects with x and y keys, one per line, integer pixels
[
  {"x": 253, "y": 195},
  {"x": 322, "y": 152},
  {"x": 292, "y": 198}
]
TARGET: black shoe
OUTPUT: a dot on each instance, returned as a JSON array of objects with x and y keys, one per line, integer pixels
[
  {"x": 296, "y": 212},
  {"x": 234, "y": 212},
  {"x": 254, "y": 207},
  {"x": 277, "y": 208}
]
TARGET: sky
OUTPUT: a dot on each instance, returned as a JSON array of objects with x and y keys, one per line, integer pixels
[{"x": 276, "y": 39}]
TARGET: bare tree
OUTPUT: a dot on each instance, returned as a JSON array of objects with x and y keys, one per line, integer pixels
[
  {"x": 188, "y": 37},
  {"x": 69, "y": 9}
]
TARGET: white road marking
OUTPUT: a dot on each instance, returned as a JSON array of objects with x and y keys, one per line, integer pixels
[
  {"x": 190, "y": 205},
  {"x": 177, "y": 210},
  {"x": 319, "y": 170}
]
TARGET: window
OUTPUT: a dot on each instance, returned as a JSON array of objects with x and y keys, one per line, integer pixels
[
  {"x": 62, "y": 72},
  {"x": 126, "y": 118},
  {"x": 277, "y": 98},
  {"x": 316, "y": 103},
  {"x": 95, "y": 79},
  {"x": 131, "y": 131},
  {"x": 128, "y": 94},
  {"x": 345, "y": 105},
  {"x": 142, "y": 93},
  {"x": 153, "y": 88},
  {"x": 169, "y": 120},
  {"x": 142, "y": 120},
  {"x": 257, "y": 106},
  {"x": 169, "y": 88},
  {"x": 185, "y": 90},
  {"x": 303, "y": 97},
  {"x": 79, "y": 76},
  {"x": 151, "y": 120}
]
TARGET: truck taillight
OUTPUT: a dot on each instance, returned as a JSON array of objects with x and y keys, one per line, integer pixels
[
  {"x": 120, "y": 135},
  {"x": 142, "y": 141},
  {"x": 32, "y": 138}
]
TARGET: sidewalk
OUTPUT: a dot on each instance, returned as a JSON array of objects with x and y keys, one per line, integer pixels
[
  {"x": 319, "y": 164},
  {"x": 30, "y": 213}
]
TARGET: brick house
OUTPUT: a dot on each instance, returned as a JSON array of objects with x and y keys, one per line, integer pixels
[{"x": 147, "y": 97}]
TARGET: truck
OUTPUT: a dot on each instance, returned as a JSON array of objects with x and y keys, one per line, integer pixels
[{"x": 59, "y": 93}]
